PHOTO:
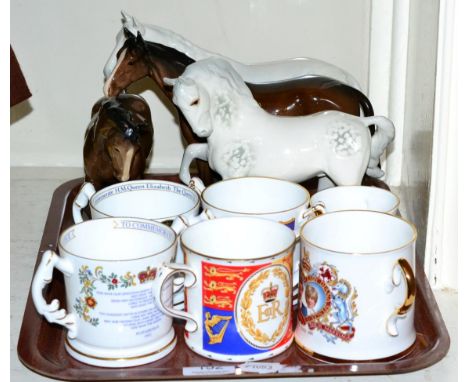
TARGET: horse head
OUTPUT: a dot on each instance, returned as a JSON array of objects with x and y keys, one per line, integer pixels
[
  {"x": 119, "y": 141},
  {"x": 194, "y": 103},
  {"x": 138, "y": 58},
  {"x": 208, "y": 93},
  {"x": 131, "y": 24},
  {"x": 133, "y": 63}
]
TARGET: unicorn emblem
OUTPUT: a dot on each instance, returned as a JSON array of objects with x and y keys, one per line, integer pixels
[
  {"x": 342, "y": 315},
  {"x": 328, "y": 304}
]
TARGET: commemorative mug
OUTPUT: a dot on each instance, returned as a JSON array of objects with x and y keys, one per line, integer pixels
[
  {"x": 357, "y": 287},
  {"x": 262, "y": 197},
  {"x": 354, "y": 198},
  {"x": 156, "y": 200},
  {"x": 238, "y": 288},
  {"x": 109, "y": 268}
]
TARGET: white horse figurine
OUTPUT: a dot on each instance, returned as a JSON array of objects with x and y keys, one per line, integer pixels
[
  {"x": 245, "y": 140},
  {"x": 254, "y": 73}
]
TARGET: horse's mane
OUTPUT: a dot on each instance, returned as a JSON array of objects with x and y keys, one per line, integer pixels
[
  {"x": 122, "y": 118},
  {"x": 227, "y": 79},
  {"x": 168, "y": 52},
  {"x": 165, "y": 37}
]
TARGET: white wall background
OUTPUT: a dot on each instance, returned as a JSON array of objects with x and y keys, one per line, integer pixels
[{"x": 62, "y": 47}]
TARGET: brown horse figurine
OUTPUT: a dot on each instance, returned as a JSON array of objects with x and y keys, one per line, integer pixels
[
  {"x": 118, "y": 140},
  {"x": 301, "y": 96}
]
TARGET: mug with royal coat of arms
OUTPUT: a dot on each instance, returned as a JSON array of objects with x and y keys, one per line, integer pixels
[
  {"x": 238, "y": 288},
  {"x": 357, "y": 288},
  {"x": 109, "y": 268}
]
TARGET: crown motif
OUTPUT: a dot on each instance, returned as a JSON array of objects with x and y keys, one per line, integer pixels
[
  {"x": 269, "y": 294},
  {"x": 148, "y": 275}
]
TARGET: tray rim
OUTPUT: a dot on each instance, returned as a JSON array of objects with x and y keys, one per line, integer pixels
[{"x": 52, "y": 229}]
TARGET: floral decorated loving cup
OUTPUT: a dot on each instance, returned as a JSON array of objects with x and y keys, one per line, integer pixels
[{"x": 110, "y": 265}]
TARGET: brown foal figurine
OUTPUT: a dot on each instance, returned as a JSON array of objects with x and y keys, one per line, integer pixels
[{"x": 118, "y": 140}]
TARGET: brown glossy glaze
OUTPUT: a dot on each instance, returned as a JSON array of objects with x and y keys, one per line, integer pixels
[
  {"x": 118, "y": 140},
  {"x": 294, "y": 97},
  {"x": 41, "y": 345}
]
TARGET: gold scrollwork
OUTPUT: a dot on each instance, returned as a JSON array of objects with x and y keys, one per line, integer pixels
[{"x": 246, "y": 319}]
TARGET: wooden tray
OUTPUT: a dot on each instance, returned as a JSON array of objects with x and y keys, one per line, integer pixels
[{"x": 41, "y": 345}]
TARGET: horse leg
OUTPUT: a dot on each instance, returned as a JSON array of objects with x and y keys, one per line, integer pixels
[
  {"x": 380, "y": 140},
  {"x": 193, "y": 151},
  {"x": 324, "y": 182},
  {"x": 348, "y": 171},
  {"x": 204, "y": 171}
]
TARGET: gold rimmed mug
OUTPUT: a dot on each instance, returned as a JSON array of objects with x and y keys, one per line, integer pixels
[
  {"x": 109, "y": 267},
  {"x": 343, "y": 198},
  {"x": 238, "y": 288},
  {"x": 357, "y": 285}
]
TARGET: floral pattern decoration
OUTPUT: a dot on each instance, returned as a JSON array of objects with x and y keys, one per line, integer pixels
[{"x": 85, "y": 304}]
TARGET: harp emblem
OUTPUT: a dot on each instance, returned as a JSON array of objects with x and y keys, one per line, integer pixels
[{"x": 216, "y": 327}]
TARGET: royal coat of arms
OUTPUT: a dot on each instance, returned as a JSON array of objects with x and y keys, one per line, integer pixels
[
  {"x": 327, "y": 302},
  {"x": 246, "y": 309}
]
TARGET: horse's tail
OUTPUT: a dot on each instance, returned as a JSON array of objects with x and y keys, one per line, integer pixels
[
  {"x": 364, "y": 103},
  {"x": 384, "y": 134}
]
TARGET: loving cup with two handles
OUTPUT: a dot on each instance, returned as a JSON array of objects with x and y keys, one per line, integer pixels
[
  {"x": 109, "y": 267},
  {"x": 357, "y": 286}
]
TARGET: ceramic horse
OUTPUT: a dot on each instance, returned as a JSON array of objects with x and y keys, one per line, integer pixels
[
  {"x": 253, "y": 73},
  {"x": 138, "y": 59},
  {"x": 244, "y": 140},
  {"x": 118, "y": 140}
]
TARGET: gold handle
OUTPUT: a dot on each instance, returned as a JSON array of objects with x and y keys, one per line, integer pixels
[
  {"x": 319, "y": 209},
  {"x": 316, "y": 210},
  {"x": 410, "y": 287},
  {"x": 401, "y": 311}
]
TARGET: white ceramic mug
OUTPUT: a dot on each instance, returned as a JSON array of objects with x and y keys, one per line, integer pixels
[
  {"x": 355, "y": 198},
  {"x": 357, "y": 287},
  {"x": 156, "y": 200},
  {"x": 262, "y": 197},
  {"x": 109, "y": 266},
  {"x": 238, "y": 288}
]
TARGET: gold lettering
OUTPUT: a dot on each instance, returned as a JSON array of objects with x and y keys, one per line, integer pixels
[{"x": 269, "y": 311}]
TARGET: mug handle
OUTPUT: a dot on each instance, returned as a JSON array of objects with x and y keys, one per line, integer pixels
[
  {"x": 197, "y": 185},
  {"x": 311, "y": 212},
  {"x": 402, "y": 266},
  {"x": 43, "y": 276},
  {"x": 165, "y": 272},
  {"x": 87, "y": 190},
  {"x": 181, "y": 223}
]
